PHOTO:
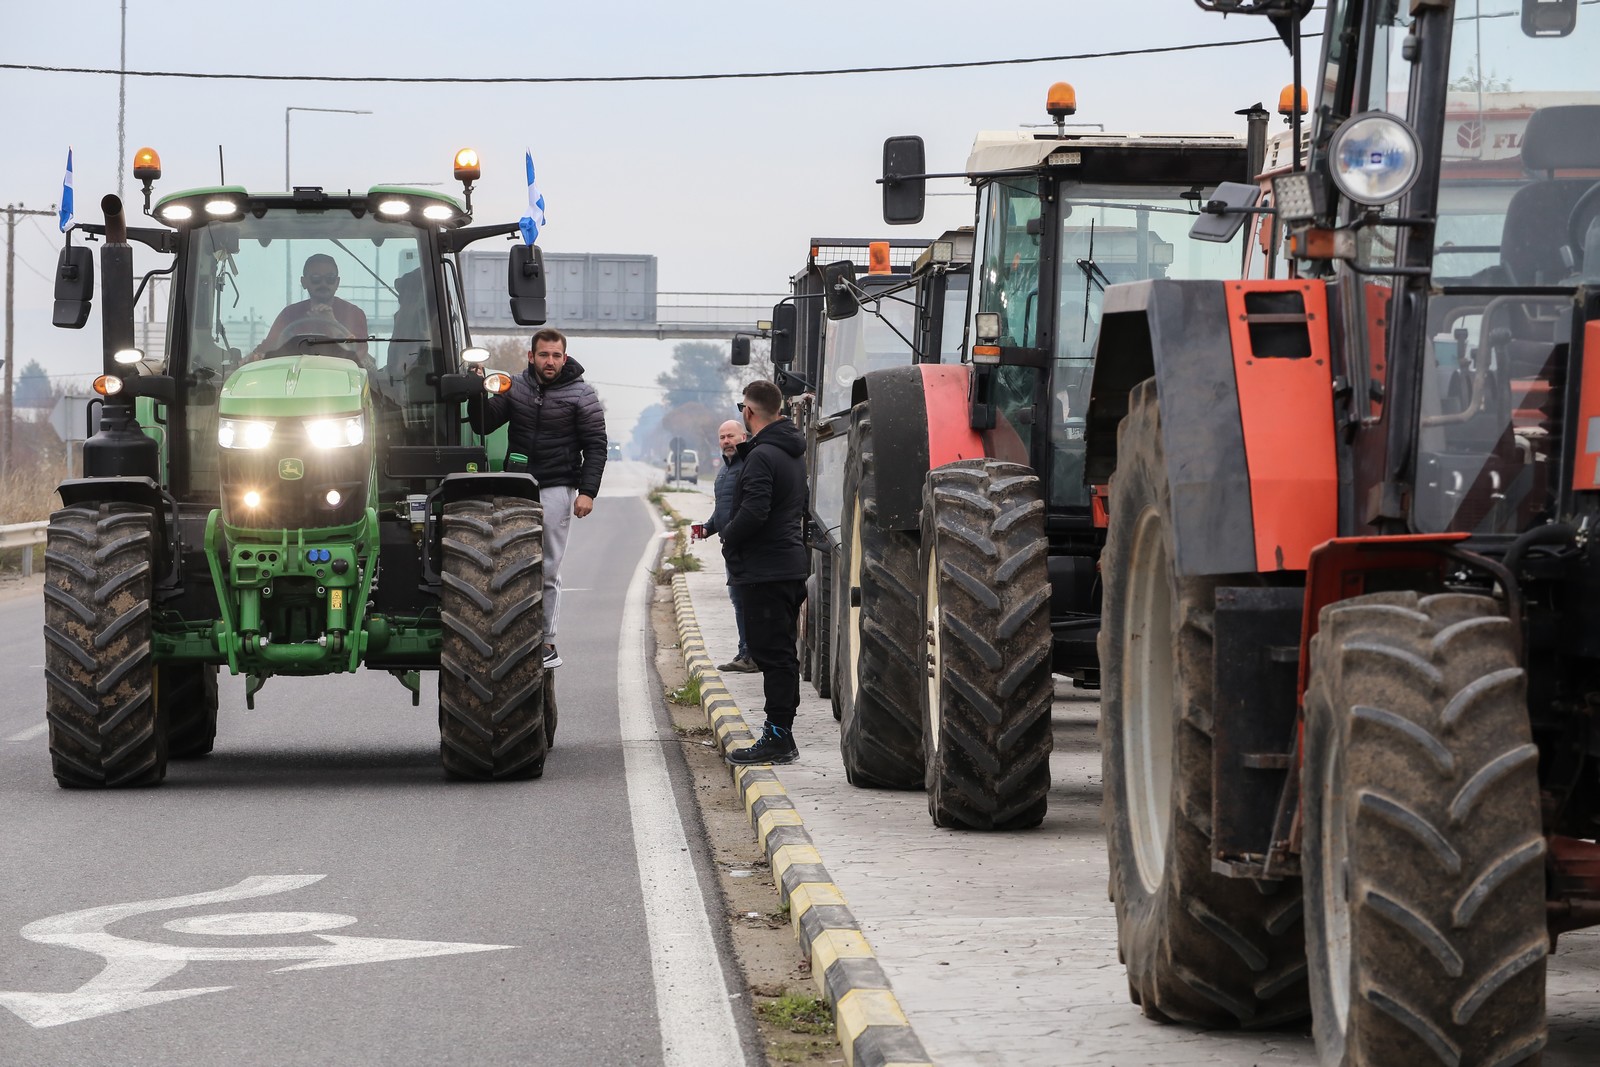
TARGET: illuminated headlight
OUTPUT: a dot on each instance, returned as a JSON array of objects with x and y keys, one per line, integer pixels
[
  {"x": 177, "y": 212},
  {"x": 128, "y": 356},
  {"x": 221, "y": 208},
  {"x": 437, "y": 212},
  {"x": 250, "y": 435},
  {"x": 1374, "y": 158},
  {"x": 333, "y": 498},
  {"x": 252, "y": 499},
  {"x": 335, "y": 433},
  {"x": 394, "y": 208}
]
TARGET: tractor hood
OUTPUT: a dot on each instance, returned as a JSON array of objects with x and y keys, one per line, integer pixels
[{"x": 295, "y": 385}]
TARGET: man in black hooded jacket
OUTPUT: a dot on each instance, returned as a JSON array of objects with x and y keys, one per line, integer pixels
[
  {"x": 764, "y": 546},
  {"x": 558, "y": 424}
]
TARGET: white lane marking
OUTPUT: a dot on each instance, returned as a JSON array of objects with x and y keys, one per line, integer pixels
[
  {"x": 30, "y": 733},
  {"x": 258, "y": 923},
  {"x": 133, "y": 967},
  {"x": 697, "y": 1025}
]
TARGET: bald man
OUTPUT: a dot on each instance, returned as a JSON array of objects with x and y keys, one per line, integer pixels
[{"x": 730, "y": 435}]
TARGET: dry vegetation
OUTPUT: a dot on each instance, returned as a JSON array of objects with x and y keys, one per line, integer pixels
[{"x": 28, "y": 493}]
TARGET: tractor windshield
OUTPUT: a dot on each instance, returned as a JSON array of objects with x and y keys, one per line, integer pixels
[
  {"x": 302, "y": 283},
  {"x": 1519, "y": 212},
  {"x": 866, "y": 342}
]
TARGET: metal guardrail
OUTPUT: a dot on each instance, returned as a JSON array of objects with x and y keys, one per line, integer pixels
[{"x": 23, "y": 535}]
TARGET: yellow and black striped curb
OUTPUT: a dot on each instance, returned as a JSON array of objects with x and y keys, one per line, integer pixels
[{"x": 872, "y": 1029}]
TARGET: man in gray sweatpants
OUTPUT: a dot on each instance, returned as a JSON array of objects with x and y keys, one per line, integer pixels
[{"x": 558, "y": 423}]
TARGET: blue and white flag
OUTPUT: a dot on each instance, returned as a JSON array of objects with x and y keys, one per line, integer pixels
[
  {"x": 66, "y": 195},
  {"x": 533, "y": 221}
]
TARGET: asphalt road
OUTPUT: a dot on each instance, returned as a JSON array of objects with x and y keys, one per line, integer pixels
[{"x": 316, "y": 891}]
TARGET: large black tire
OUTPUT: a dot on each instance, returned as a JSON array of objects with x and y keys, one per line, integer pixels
[
  {"x": 491, "y": 666},
  {"x": 986, "y": 622},
  {"x": 819, "y": 625},
  {"x": 106, "y": 726},
  {"x": 879, "y": 672},
  {"x": 188, "y": 696},
  {"x": 550, "y": 714},
  {"x": 1425, "y": 882},
  {"x": 1200, "y": 948}
]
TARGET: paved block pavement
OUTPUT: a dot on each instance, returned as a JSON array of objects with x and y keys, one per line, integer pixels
[{"x": 1002, "y": 947}]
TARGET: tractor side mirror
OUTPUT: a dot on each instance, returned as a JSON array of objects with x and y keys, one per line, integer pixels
[
  {"x": 1549, "y": 18},
  {"x": 791, "y": 384},
  {"x": 839, "y": 298},
  {"x": 525, "y": 285},
  {"x": 74, "y": 287},
  {"x": 904, "y": 197},
  {"x": 454, "y": 387},
  {"x": 1226, "y": 211},
  {"x": 740, "y": 356},
  {"x": 784, "y": 319}
]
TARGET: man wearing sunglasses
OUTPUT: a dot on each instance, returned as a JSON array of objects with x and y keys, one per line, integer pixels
[
  {"x": 320, "y": 315},
  {"x": 764, "y": 546}
]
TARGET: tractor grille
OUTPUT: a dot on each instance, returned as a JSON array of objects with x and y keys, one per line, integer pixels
[{"x": 295, "y": 503}]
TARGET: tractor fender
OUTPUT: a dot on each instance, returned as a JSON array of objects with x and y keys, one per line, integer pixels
[
  {"x": 145, "y": 492},
  {"x": 1247, "y": 415},
  {"x": 919, "y": 422},
  {"x": 455, "y": 487}
]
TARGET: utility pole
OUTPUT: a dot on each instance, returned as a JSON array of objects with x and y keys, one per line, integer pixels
[
  {"x": 122, "y": 105},
  {"x": 12, "y": 211}
]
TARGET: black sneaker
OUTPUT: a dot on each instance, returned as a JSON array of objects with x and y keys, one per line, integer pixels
[
  {"x": 775, "y": 745},
  {"x": 552, "y": 658}
]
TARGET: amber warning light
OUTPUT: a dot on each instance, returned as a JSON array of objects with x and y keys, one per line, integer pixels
[
  {"x": 1286, "y": 101},
  {"x": 146, "y": 165},
  {"x": 878, "y": 257},
  {"x": 467, "y": 166},
  {"x": 1061, "y": 101}
]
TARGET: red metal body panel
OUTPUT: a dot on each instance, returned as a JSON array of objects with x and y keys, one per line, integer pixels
[
  {"x": 1286, "y": 411},
  {"x": 950, "y": 433},
  {"x": 1586, "y": 465}
]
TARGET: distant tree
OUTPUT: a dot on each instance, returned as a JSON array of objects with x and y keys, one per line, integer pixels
[
  {"x": 33, "y": 388},
  {"x": 509, "y": 354},
  {"x": 700, "y": 374},
  {"x": 1475, "y": 82}
]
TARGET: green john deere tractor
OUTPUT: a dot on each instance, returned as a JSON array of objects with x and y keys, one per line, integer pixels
[{"x": 291, "y": 486}]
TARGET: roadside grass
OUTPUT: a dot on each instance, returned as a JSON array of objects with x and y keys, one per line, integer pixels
[
  {"x": 798, "y": 1013},
  {"x": 687, "y": 694},
  {"x": 27, "y": 494}
]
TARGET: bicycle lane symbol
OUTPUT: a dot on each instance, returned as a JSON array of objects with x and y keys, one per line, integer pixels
[{"x": 133, "y": 968}]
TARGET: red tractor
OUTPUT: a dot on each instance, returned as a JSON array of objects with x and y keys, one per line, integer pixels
[
  {"x": 1350, "y": 650},
  {"x": 967, "y": 570}
]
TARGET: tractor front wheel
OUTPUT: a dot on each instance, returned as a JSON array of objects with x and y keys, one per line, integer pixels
[
  {"x": 491, "y": 665},
  {"x": 106, "y": 727},
  {"x": 1424, "y": 854},
  {"x": 986, "y": 617},
  {"x": 1200, "y": 948}
]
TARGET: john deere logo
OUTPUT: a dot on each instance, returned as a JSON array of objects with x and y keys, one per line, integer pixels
[{"x": 291, "y": 469}]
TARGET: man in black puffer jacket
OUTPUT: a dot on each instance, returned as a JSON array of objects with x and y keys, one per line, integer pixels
[
  {"x": 558, "y": 424},
  {"x": 764, "y": 546}
]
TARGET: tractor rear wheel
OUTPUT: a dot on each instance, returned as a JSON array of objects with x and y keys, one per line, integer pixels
[
  {"x": 549, "y": 710},
  {"x": 880, "y": 733},
  {"x": 819, "y": 625},
  {"x": 491, "y": 665},
  {"x": 1200, "y": 948},
  {"x": 986, "y": 619},
  {"x": 188, "y": 696},
  {"x": 106, "y": 727},
  {"x": 1425, "y": 880}
]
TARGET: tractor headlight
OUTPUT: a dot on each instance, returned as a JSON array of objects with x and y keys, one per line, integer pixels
[
  {"x": 336, "y": 433},
  {"x": 249, "y": 435},
  {"x": 1375, "y": 158}
]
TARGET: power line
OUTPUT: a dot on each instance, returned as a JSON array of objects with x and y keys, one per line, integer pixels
[{"x": 580, "y": 79}]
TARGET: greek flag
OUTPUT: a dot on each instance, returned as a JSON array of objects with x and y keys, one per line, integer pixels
[
  {"x": 66, "y": 195},
  {"x": 533, "y": 221}
]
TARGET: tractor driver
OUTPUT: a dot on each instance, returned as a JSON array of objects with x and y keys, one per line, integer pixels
[{"x": 321, "y": 314}]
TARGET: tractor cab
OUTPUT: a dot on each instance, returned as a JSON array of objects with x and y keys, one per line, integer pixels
[{"x": 1063, "y": 215}]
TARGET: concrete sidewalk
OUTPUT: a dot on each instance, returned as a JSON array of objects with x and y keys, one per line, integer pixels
[{"x": 1001, "y": 947}]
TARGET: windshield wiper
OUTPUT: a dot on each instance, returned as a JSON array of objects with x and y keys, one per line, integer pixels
[
  {"x": 1093, "y": 276},
  {"x": 348, "y": 340}
]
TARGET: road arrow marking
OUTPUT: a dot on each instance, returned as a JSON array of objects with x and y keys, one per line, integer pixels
[{"x": 134, "y": 967}]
